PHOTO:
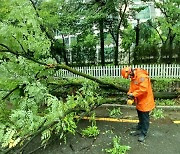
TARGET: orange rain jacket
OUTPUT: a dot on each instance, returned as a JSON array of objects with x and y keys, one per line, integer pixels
[{"x": 141, "y": 89}]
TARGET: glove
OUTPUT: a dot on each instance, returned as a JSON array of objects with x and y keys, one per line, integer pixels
[
  {"x": 130, "y": 101},
  {"x": 130, "y": 96}
]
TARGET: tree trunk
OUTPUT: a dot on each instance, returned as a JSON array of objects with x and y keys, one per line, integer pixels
[
  {"x": 107, "y": 86},
  {"x": 162, "y": 95},
  {"x": 64, "y": 55},
  {"x": 116, "y": 50},
  {"x": 137, "y": 30},
  {"x": 171, "y": 51},
  {"x": 101, "y": 28}
]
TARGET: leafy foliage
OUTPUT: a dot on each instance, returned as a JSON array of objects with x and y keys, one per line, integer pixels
[
  {"x": 117, "y": 147},
  {"x": 84, "y": 49},
  {"x": 167, "y": 102},
  {"x": 128, "y": 38},
  {"x": 22, "y": 27},
  {"x": 157, "y": 113},
  {"x": 115, "y": 112},
  {"x": 91, "y": 131},
  {"x": 164, "y": 84},
  {"x": 37, "y": 109},
  {"x": 167, "y": 29}
]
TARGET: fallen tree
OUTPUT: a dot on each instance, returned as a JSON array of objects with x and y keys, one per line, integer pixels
[{"x": 161, "y": 95}]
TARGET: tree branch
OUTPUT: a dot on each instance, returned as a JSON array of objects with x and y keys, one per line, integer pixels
[
  {"x": 19, "y": 44},
  {"x": 122, "y": 15},
  {"x": 22, "y": 55},
  {"x": 156, "y": 31},
  {"x": 62, "y": 66},
  {"x": 17, "y": 87},
  {"x": 41, "y": 26},
  {"x": 169, "y": 33},
  {"x": 112, "y": 34}
]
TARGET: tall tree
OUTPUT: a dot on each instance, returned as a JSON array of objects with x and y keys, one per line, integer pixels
[
  {"x": 166, "y": 27},
  {"x": 117, "y": 15},
  {"x": 112, "y": 16}
]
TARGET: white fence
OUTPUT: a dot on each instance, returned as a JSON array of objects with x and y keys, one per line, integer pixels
[{"x": 155, "y": 70}]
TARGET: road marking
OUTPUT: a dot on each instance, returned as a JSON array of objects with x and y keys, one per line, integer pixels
[
  {"x": 111, "y": 119},
  {"x": 176, "y": 122},
  {"x": 119, "y": 120}
]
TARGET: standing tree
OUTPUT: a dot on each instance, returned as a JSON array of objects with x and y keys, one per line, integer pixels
[
  {"x": 167, "y": 27},
  {"x": 117, "y": 15}
]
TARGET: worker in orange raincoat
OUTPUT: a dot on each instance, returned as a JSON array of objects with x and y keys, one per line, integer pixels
[{"x": 140, "y": 92}]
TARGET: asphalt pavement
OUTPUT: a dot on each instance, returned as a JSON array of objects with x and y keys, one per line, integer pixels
[{"x": 163, "y": 136}]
